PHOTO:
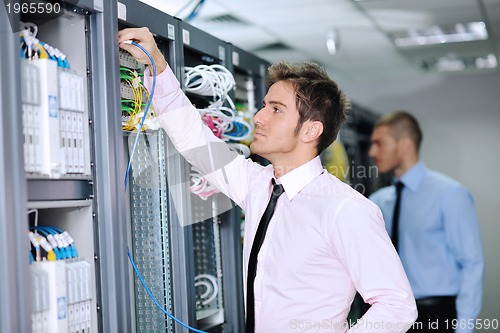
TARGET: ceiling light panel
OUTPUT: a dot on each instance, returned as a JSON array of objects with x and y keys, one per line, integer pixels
[
  {"x": 420, "y": 5},
  {"x": 456, "y": 63},
  {"x": 460, "y": 32},
  {"x": 391, "y": 15}
]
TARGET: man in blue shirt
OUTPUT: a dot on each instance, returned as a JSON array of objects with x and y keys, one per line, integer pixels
[{"x": 433, "y": 226}]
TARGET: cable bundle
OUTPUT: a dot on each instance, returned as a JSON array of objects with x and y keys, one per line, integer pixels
[
  {"x": 209, "y": 282},
  {"x": 39, "y": 242},
  {"x": 218, "y": 118},
  {"x": 216, "y": 81},
  {"x": 201, "y": 187},
  {"x": 194, "y": 12},
  {"x": 33, "y": 48},
  {"x": 60, "y": 244},
  {"x": 210, "y": 80},
  {"x": 126, "y": 182},
  {"x": 57, "y": 243},
  {"x": 132, "y": 105}
]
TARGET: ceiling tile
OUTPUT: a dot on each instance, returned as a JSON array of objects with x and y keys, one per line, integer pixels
[{"x": 365, "y": 49}]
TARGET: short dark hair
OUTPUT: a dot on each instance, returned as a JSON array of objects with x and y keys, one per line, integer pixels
[
  {"x": 402, "y": 123},
  {"x": 318, "y": 98}
]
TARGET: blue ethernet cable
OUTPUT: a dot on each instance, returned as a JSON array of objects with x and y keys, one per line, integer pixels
[
  {"x": 195, "y": 11},
  {"x": 145, "y": 111},
  {"x": 70, "y": 250},
  {"x": 126, "y": 182},
  {"x": 239, "y": 130},
  {"x": 56, "y": 229},
  {"x": 59, "y": 254},
  {"x": 66, "y": 251}
]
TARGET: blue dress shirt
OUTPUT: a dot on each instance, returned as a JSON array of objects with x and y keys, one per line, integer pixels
[{"x": 439, "y": 238}]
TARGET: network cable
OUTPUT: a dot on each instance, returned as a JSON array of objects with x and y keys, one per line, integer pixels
[
  {"x": 194, "y": 12},
  {"x": 126, "y": 181},
  {"x": 60, "y": 240},
  {"x": 132, "y": 103},
  {"x": 216, "y": 81},
  {"x": 33, "y": 48},
  {"x": 59, "y": 255},
  {"x": 38, "y": 242},
  {"x": 145, "y": 111}
]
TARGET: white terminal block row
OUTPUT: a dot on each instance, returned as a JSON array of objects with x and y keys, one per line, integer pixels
[
  {"x": 31, "y": 107},
  {"x": 62, "y": 297},
  {"x": 41, "y": 117},
  {"x": 78, "y": 275},
  {"x": 72, "y": 108},
  {"x": 40, "y": 313},
  {"x": 53, "y": 103}
]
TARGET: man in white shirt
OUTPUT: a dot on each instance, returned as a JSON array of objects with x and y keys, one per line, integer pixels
[{"x": 324, "y": 241}]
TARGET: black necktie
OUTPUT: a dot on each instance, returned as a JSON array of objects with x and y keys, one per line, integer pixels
[
  {"x": 252, "y": 262},
  {"x": 395, "y": 217}
]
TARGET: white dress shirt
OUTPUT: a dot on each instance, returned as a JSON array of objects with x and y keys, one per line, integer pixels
[{"x": 324, "y": 241}]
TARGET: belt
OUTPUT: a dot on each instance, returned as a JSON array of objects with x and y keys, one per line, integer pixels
[{"x": 435, "y": 300}]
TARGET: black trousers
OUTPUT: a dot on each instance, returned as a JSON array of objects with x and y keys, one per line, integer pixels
[{"x": 435, "y": 315}]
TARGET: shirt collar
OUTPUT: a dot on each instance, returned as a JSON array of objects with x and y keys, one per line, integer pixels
[
  {"x": 414, "y": 176},
  {"x": 295, "y": 180}
]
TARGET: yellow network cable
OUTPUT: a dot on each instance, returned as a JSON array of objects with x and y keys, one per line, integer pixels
[
  {"x": 38, "y": 241},
  {"x": 51, "y": 256},
  {"x": 132, "y": 119},
  {"x": 41, "y": 51}
]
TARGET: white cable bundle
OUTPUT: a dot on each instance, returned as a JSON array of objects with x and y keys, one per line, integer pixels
[
  {"x": 222, "y": 115},
  {"x": 216, "y": 81},
  {"x": 247, "y": 136},
  {"x": 210, "y": 80},
  {"x": 28, "y": 32},
  {"x": 211, "y": 288},
  {"x": 201, "y": 186}
]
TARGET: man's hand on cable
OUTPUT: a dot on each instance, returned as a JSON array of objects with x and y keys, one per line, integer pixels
[{"x": 143, "y": 37}]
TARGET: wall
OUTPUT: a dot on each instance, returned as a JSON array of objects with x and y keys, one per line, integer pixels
[{"x": 460, "y": 118}]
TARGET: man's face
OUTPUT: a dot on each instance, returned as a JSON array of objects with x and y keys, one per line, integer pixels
[
  {"x": 385, "y": 149},
  {"x": 276, "y": 122}
]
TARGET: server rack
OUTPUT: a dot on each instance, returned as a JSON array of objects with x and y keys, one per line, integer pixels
[
  {"x": 86, "y": 203},
  {"x": 247, "y": 67},
  {"x": 156, "y": 201},
  {"x": 199, "y": 47},
  {"x": 216, "y": 221},
  {"x": 93, "y": 206}
]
